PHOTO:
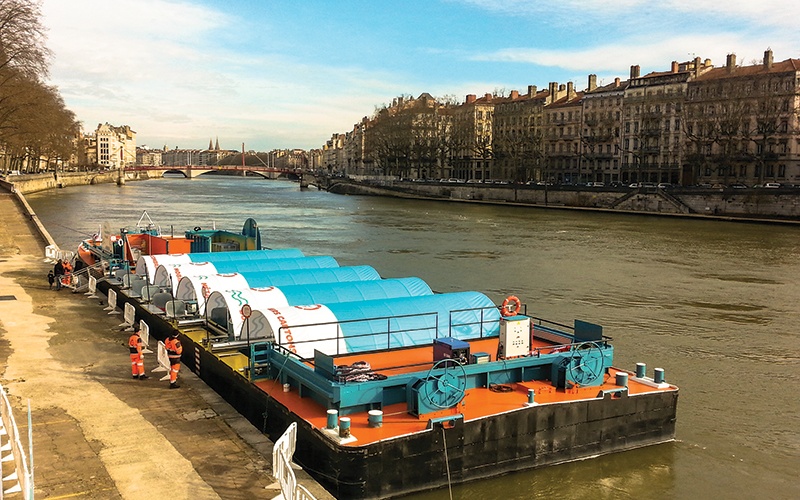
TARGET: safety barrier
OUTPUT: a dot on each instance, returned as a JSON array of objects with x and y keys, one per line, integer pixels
[
  {"x": 163, "y": 361},
  {"x": 128, "y": 316},
  {"x": 112, "y": 302},
  {"x": 92, "y": 293},
  {"x": 20, "y": 480},
  {"x": 282, "y": 470},
  {"x": 52, "y": 254},
  {"x": 144, "y": 333}
]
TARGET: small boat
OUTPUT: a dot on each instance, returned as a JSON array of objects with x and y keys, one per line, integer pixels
[{"x": 146, "y": 238}]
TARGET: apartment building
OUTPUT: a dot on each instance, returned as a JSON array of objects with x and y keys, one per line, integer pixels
[
  {"x": 601, "y": 147},
  {"x": 116, "y": 146},
  {"x": 742, "y": 123},
  {"x": 562, "y": 134},
  {"x": 519, "y": 135},
  {"x": 653, "y": 135},
  {"x": 472, "y": 154}
]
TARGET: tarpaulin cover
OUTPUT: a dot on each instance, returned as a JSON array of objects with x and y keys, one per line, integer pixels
[{"x": 147, "y": 264}]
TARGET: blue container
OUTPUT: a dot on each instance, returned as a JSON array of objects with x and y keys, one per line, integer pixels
[
  {"x": 658, "y": 375},
  {"x": 344, "y": 427},
  {"x": 214, "y": 257},
  {"x": 410, "y": 321},
  {"x": 260, "y": 279},
  {"x": 622, "y": 379},
  {"x": 375, "y": 418},
  {"x": 333, "y": 416},
  {"x": 641, "y": 370},
  {"x": 350, "y": 291},
  {"x": 266, "y": 265}
]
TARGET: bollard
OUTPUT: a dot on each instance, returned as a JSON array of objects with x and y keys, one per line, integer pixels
[
  {"x": 658, "y": 375},
  {"x": 531, "y": 396},
  {"x": 344, "y": 427},
  {"x": 622, "y": 379},
  {"x": 375, "y": 418},
  {"x": 641, "y": 370},
  {"x": 333, "y": 416}
]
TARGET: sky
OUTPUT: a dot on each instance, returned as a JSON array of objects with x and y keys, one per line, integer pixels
[{"x": 277, "y": 74}]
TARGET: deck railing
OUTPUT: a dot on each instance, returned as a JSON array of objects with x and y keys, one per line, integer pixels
[{"x": 431, "y": 321}]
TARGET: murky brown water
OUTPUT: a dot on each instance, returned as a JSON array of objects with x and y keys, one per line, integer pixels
[{"x": 716, "y": 304}]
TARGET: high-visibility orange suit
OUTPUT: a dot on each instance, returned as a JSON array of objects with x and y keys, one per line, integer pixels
[
  {"x": 174, "y": 351},
  {"x": 137, "y": 358}
]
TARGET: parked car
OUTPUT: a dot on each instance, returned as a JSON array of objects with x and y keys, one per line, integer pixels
[
  {"x": 772, "y": 185},
  {"x": 664, "y": 185},
  {"x": 738, "y": 186},
  {"x": 635, "y": 185},
  {"x": 474, "y": 181},
  {"x": 718, "y": 186}
]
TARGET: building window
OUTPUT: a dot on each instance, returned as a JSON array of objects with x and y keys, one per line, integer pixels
[{"x": 781, "y": 171}]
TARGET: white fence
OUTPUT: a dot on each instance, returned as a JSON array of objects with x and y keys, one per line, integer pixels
[
  {"x": 282, "y": 466},
  {"x": 19, "y": 480}
]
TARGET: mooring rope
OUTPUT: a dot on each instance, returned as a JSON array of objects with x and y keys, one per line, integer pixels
[{"x": 447, "y": 464}]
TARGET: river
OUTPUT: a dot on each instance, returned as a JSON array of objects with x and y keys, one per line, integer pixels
[{"x": 713, "y": 303}]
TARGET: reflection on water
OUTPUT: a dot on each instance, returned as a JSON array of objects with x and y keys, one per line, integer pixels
[{"x": 713, "y": 303}]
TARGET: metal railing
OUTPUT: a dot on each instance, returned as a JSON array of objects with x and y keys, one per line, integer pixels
[
  {"x": 20, "y": 480},
  {"x": 282, "y": 470}
]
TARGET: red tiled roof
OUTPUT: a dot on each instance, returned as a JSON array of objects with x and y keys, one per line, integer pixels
[{"x": 787, "y": 66}]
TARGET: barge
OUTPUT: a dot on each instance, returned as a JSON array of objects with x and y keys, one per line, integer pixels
[{"x": 413, "y": 391}]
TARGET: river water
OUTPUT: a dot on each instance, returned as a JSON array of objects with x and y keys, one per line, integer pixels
[{"x": 713, "y": 303}]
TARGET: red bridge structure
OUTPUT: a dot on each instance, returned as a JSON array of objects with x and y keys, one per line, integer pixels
[{"x": 191, "y": 171}]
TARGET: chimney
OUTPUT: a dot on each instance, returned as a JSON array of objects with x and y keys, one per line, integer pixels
[
  {"x": 592, "y": 82},
  {"x": 514, "y": 94},
  {"x": 531, "y": 90},
  {"x": 570, "y": 91},
  {"x": 707, "y": 63},
  {"x": 562, "y": 88},
  {"x": 616, "y": 82},
  {"x": 488, "y": 96},
  {"x": 470, "y": 98},
  {"x": 696, "y": 67},
  {"x": 730, "y": 63},
  {"x": 768, "y": 59},
  {"x": 553, "y": 97},
  {"x": 635, "y": 71},
  {"x": 674, "y": 66}
]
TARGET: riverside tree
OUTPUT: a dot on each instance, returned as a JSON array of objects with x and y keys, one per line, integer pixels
[{"x": 34, "y": 123}]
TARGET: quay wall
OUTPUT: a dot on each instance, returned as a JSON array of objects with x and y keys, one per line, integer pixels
[
  {"x": 32, "y": 183},
  {"x": 781, "y": 205}
]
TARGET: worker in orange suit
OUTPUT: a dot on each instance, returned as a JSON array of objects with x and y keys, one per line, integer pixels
[
  {"x": 174, "y": 351},
  {"x": 137, "y": 358}
]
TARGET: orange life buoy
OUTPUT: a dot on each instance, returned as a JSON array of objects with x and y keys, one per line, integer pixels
[{"x": 506, "y": 309}]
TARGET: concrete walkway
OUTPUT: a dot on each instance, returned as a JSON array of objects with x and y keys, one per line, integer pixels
[{"x": 97, "y": 433}]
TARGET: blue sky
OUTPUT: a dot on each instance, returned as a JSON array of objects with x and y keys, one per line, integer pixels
[{"x": 283, "y": 74}]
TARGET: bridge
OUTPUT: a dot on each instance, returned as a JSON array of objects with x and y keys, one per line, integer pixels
[{"x": 192, "y": 171}]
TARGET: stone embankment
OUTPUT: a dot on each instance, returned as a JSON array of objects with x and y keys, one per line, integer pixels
[
  {"x": 32, "y": 183},
  {"x": 98, "y": 434},
  {"x": 759, "y": 205}
]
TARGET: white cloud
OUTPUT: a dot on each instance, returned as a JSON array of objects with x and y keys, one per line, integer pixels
[{"x": 155, "y": 65}]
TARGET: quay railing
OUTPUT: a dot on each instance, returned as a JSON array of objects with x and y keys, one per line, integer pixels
[{"x": 20, "y": 480}]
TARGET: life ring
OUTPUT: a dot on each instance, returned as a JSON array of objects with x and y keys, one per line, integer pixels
[
  {"x": 197, "y": 228},
  {"x": 120, "y": 243},
  {"x": 505, "y": 309}
]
